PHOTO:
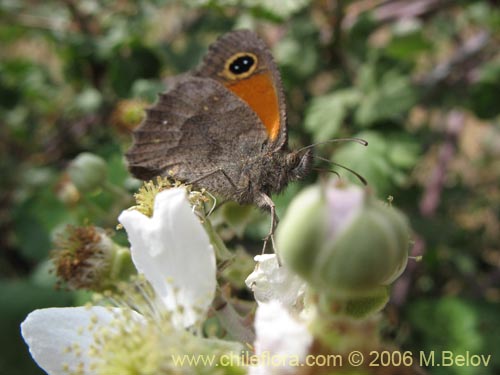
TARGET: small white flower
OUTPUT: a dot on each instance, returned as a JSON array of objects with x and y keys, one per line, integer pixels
[
  {"x": 271, "y": 281},
  {"x": 281, "y": 339},
  {"x": 173, "y": 252}
]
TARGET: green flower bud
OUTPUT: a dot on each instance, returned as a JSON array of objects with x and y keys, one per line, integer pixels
[
  {"x": 329, "y": 306},
  {"x": 87, "y": 172},
  {"x": 371, "y": 251},
  {"x": 343, "y": 242},
  {"x": 300, "y": 234}
]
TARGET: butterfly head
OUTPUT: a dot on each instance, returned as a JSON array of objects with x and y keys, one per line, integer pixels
[{"x": 298, "y": 164}]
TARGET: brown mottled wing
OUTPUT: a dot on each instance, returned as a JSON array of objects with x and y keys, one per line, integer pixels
[
  {"x": 246, "y": 41},
  {"x": 193, "y": 130}
]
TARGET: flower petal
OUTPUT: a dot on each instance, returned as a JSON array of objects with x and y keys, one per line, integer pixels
[
  {"x": 270, "y": 281},
  {"x": 282, "y": 337},
  {"x": 174, "y": 253},
  {"x": 344, "y": 203},
  {"x": 60, "y": 339}
]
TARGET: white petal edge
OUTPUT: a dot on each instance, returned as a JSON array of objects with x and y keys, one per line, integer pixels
[
  {"x": 272, "y": 281},
  {"x": 60, "y": 339},
  {"x": 174, "y": 253},
  {"x": 280, "y": 335}
]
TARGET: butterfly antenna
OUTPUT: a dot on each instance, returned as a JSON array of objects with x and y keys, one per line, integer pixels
[
  {"x": 351, "y": 139},
  {"x": 360, "y": 178},
  {"x": 327, "y": 170}
]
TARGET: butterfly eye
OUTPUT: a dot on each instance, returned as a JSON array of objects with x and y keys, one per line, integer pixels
[
  {"x": 240, "y": 65},
  {"x": 299, "y": 165}
]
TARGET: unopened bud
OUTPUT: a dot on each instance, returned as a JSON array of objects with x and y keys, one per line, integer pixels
[
  {"x": 343, "y": 242},
  {"x": 88, "y": 172}
]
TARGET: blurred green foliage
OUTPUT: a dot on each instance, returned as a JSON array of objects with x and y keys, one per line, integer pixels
[{"x": 418, "y": 80}]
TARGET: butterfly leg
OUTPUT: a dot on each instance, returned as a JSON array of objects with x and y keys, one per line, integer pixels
[
  {"x": 266, "y": 202},
  {"x": 218, "y": 170}
]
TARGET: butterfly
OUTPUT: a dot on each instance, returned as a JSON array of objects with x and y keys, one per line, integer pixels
[{"x": 223, "y": 127}]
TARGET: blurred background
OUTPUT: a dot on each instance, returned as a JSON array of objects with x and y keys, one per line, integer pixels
[{"x": 419, "y": 80}]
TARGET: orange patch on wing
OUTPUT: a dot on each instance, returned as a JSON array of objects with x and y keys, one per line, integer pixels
[{"x": 259, "y": 93}]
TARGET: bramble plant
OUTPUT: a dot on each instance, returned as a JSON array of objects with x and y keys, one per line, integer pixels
[
  {"x": 179, "y": 274},
  {"x": 160, "y": 312}
]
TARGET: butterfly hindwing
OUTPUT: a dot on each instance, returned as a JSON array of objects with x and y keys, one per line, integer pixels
[{"x": 193, "y": 130}]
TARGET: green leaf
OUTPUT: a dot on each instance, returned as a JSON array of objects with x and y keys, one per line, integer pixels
[
  {"x": 33, "y": 237},
  {"x": 408, "y": 46},
  {"x": 237, "y": 217},
  {"x": 117, "y": 170},
  {"x": 326, "y": 113},
  {"x": 278, "y": 8},
  {"x": 87, "y": 101},
  {"x": 299, "y": 57},
  {"x": 484, "y": 93},
  {"x": 403, "y": 152},
  {"x": 484, "y": 14},
  {"x": 131, "y": 64},
  {"x": 147, "y": 89},
  {"x": 384, "y": 163},
  {"x": 281, "y": 8},
  {"x": 387, "y": 97},
  {"x": 448, "y": 324},
  {"x": 38, "y": 213},
  {"x": 17, "y": 299},
  {"x": 456, "y": 325}
]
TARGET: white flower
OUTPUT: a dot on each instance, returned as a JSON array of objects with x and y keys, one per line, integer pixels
[
  {"x": 173, "y": 252},
  {"x": 61, "y": 340},
  {"x": 271, "y": 281},
  {"x": 282, "y": 337},
  {"x": 282, "y": 341}
]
